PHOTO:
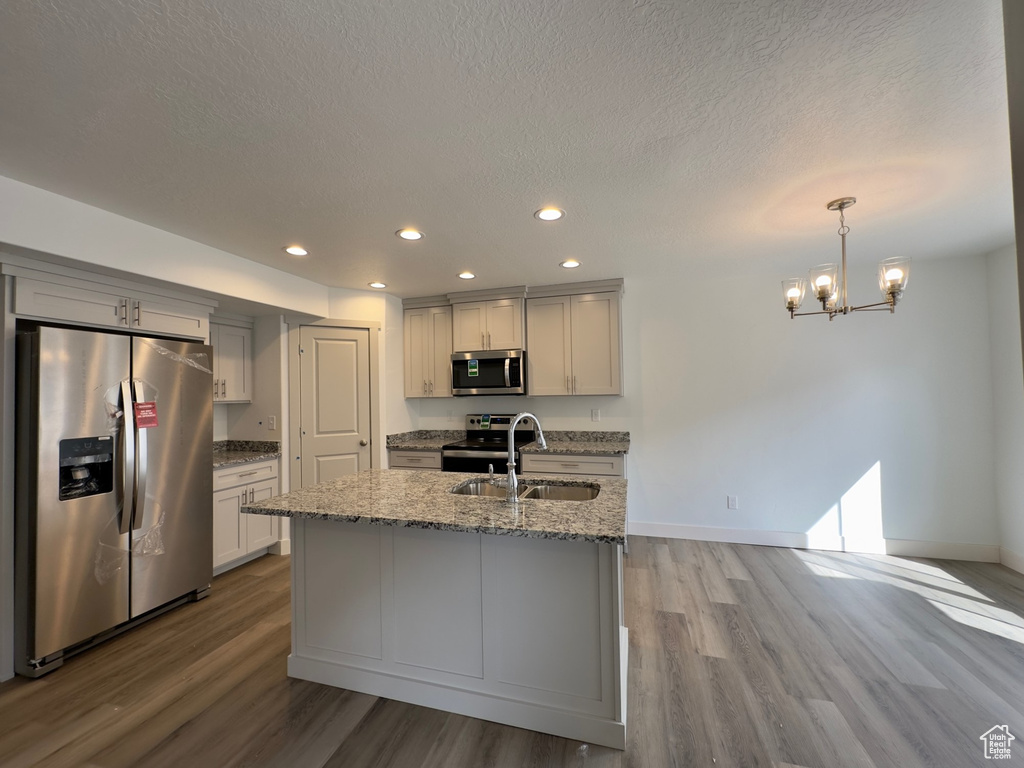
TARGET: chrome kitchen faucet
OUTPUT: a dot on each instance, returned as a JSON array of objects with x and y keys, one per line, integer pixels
[{"x": 512, "y": 490}]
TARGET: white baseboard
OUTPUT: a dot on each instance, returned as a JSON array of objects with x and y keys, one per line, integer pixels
[
  {"x": 1011, "y": 559},
  {"x": 730, "y": 535},
  {"x": 941, "y": 550},
  {"x": 282, "y": 547}
]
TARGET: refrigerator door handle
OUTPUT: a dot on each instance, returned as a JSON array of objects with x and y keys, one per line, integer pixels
[
  {"x": 128, "y": 467},
  {"x": 141, "y": 465}
]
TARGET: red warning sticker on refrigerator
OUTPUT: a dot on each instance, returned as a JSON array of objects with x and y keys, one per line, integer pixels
[{"x": 145, "y": 415}]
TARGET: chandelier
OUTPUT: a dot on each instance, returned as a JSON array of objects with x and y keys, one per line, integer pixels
[{"x": 827, "y": 287}]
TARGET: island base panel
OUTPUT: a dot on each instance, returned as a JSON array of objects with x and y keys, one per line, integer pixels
[
  {"x": 516, "y": 630},
  {"x": 569, "y": 725}
]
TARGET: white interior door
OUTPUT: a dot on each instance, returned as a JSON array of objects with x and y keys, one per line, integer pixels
[{"x": 334, "y": 394}]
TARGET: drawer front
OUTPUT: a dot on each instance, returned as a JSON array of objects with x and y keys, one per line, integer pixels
[
  {"x": 244, "y": 474},
  {"x": 414, "y": 459},
  {"x": 572, "y": 464}
]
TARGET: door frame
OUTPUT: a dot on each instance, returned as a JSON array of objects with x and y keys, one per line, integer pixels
[{"x": 294, "y": 461}]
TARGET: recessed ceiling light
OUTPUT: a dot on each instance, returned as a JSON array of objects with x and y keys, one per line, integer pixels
[
  {"x": 378, "y": 284},
  {"x": 296, "y": 250},
  {"x": 549, "y": 214},
  {"x": 409, "y": 234},
  {"x": 569, "y": 264},
  {"x": 466, "y": 275}
]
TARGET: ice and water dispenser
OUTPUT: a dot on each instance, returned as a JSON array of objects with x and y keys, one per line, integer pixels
[{"x": 86, "y": 467}]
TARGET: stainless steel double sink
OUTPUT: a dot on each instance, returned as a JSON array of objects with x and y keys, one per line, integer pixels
[{"x": 549, "y": 491}]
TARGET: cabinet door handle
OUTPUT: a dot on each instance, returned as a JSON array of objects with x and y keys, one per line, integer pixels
[
  {"x": 574, "y": 385},
  {"x": 252, "y": 495},
  {"x": 483, "y": 344},
  {"x": 223, "y": 387},
  {"x": 569, "y": 464},
  {"x": 568, "y": 386},
  {"x": 124, "y": 311},
  {"x": 424, "y": 386},
  {"x": 364, "y": 442},
  {"x": 138, "y": 313},
  {"x": 488, "y": 339},
  {"x": 431, "y": 387},
  {"x": 216, "y": 388},
  {"x": 249, "y": 474}
]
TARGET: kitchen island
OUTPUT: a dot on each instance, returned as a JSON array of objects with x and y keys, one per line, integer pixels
[{"x": 509, "y": 612}]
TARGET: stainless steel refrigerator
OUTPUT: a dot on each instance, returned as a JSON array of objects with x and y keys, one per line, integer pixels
[{"x": 114, "y": 485}]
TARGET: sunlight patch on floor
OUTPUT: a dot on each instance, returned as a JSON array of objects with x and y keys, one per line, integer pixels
[
  {"x": 963, "y": 596},
  {"x": 1009, "y": 626}
]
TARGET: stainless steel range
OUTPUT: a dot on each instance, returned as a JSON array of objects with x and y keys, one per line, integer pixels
[{"x": 486, "y": 444}]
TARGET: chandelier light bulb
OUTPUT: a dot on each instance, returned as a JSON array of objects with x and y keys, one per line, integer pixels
[
  {"x": 894, "y": 275},
  {"x": 793, "y": 293},
  {"x": 823, "y": 281}
]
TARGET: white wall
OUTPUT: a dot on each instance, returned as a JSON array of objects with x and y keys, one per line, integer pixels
[
  {"x": 727, "y": 395},
  {"x": 1008, "y": 398},
  {"x": 34, "y": 218},
  {"x": 790, "y": 414}
]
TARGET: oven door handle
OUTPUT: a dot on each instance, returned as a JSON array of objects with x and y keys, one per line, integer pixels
[{"x": 474, "y": 454}]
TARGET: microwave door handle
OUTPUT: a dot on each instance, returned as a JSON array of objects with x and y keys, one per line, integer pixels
[
  {"x": 508, "y": 379},
  {"x": 127, "y": 464},
  {"x": 141, "y": 465}
]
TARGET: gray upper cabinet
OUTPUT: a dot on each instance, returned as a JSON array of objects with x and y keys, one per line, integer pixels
[
  {"x": 232, "y": 363},
  {"x": 574, "y": 344},
  {"x": 108, "y": 306},
  {"x": 428, "y": 351},
  {"x": 494, "y": 324}
]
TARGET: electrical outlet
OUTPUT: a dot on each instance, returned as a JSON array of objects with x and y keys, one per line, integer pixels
[
  {"x": 272, "y": 423},
  {"x": 595, "y": 414},
  {"x": 733, "y": 502}
]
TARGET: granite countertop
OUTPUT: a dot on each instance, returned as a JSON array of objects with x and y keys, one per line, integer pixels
[
  {"x": 230, "y": 453},
  {"x": 564, "y": 442},
  {"x": 409, "y": 498},
  {"x": 581, "y": 446},
  {"x": 424, "y": 439}
]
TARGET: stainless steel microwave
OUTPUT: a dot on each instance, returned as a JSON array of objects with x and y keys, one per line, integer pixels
[{"x": 489, "y": 372}]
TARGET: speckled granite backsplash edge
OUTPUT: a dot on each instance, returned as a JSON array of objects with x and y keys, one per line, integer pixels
[
  {"x": 426, "y": 434},
  {"x": 256, "y": 446},
  {"x": 554, "y": 435},
  {"x": 586, "y": 436}
]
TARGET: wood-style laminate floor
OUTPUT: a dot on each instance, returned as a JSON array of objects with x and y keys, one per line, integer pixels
[{"x": 739, "y": 655}]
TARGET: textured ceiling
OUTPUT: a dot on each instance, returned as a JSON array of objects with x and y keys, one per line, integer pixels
[{"x": 674, "y": 132}]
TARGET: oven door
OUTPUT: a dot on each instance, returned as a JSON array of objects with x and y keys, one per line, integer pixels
[
  {"x": 489, "y": 372},
  {"x": 475, "y": 461}
]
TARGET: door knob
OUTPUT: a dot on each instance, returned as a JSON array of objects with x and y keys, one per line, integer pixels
[{"x": 363, "y": 442}]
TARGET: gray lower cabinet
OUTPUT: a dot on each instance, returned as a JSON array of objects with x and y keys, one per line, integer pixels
[
  {"x": 573, "y": 464},
  {"x": 236, "y": 535},
  {"x": 414, "y": 459}
]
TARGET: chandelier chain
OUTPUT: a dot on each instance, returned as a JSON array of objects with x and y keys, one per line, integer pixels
[{"x": 843, "y": 229}]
